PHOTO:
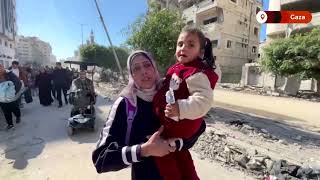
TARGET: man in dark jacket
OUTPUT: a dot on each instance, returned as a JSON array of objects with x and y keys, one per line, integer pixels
[
  {"x": 10, "y": 107},
  {"x": 61, "y": 82}
]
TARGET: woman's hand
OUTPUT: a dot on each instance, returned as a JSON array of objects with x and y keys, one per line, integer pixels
[
  {"x": 156, "y": 146},
  {"x": 172, "y": 110}
]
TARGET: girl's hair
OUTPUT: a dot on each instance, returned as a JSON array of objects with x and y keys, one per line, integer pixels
[{"x": 205, "y": 44}]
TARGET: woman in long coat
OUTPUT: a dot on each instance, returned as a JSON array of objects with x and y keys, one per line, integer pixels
[{"x": 43, "y": 82}]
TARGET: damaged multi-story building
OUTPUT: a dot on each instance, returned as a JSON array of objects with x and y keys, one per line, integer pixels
[{"x": 230, "y": 24}]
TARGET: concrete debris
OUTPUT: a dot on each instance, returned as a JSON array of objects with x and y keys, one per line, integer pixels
[
  {"x": 283, "y": 142},
  {"x": 282, "y": 169},
  {"x": 242, "y": 160},
  {"x": 269, "y": 163},
  {"x": 237, "y": 123},
  {"x": 215, "y": 146},
  {"x": 264, "y": 131},
  {"x": 254, "y": 165}
]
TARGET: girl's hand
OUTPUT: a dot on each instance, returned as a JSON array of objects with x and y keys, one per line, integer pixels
[
  {"x": 172, "y": 142},
  {"x": 156, "y": 146},
  {"x": 172, "y": 110}
]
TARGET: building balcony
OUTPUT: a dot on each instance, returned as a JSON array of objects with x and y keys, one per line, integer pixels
[
  {"x": 206, "y": 5},
  {"x": 184, "y": 4},
  {"x": 212, "y": 28},
  {"x": 200, "y": 6},
  {"x": 280, "y": 29}
]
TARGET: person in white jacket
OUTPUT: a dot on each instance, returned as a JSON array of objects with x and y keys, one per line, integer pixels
[{"x": 11, "y": 106}]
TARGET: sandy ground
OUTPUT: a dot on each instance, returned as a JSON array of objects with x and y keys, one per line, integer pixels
[
  {"x": 40, "y": 149},
  {"x": 298, "y": 112}
]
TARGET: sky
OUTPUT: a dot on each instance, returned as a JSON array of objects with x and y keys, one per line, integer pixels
[
  {"x": 58, "y": 22},
  {"x": 263, "y": 27}
]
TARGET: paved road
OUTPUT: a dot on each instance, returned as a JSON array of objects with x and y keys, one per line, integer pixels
[{"x": 40, "y": 149}]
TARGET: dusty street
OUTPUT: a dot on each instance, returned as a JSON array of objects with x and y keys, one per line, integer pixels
[{"x": 40, "y": 149}]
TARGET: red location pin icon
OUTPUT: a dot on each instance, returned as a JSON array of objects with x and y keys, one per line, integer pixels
[{"x": 261, "y": 17}]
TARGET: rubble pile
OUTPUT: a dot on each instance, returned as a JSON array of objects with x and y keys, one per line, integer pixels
[
  {"x": 283, "y": 170},
  {"x": 109, "y": 90},
  {"x": 215, "y": 146}
]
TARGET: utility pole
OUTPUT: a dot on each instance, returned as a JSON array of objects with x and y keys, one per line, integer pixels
[
  {"x": 106, "y": 31},
  {"x": 81, "y": 34}
]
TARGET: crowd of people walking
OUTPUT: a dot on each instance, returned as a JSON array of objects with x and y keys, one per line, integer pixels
[{"x": 19, "y": 84}]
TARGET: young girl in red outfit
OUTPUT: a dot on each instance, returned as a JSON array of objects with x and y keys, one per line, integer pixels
[{"x": 186, "y": 96}]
